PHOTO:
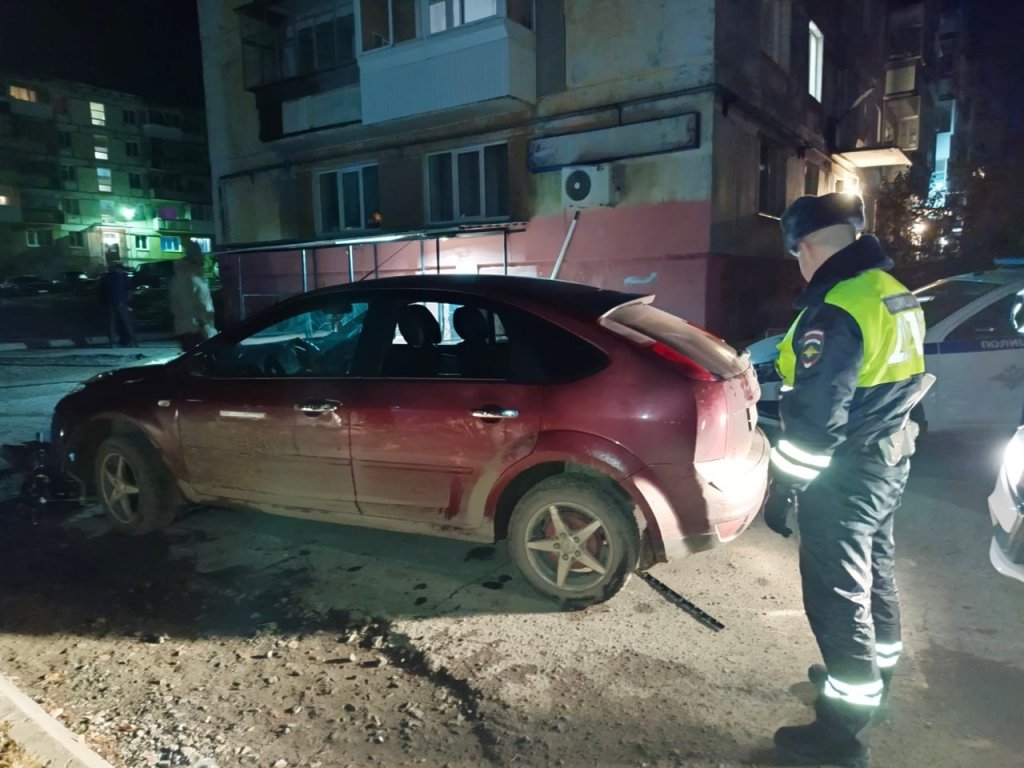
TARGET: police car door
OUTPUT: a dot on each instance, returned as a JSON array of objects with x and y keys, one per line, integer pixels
[{"x": 980, "y": 369}]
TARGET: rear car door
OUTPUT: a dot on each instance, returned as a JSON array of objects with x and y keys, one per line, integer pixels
[
  {"x": 450, "y": 401},
  {"x": 979, "y": 366},
  {"x": 264, "y": 417}
]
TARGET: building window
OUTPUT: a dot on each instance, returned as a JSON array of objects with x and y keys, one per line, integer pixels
[
  {"x": 71, "y": 206},
  {"x": 349, "y": 199},
  {"x": 135, "y": 180},
  {"x": 167, "y": 212},
  {"x": 100, "y": 148},
  {"x": 170, "y": 244},
  {"x": 448, "y": 14},
  {"x": 107, "y": 211},
  {"x": 203, "y": 242},
  {"x": 36, "y": 238},
  {"x": 468, "y": 184},
  {"x": 104, "y": 181},
  {"x": 141, "y": 243},
  {"x": 76, "y": 239},
  {"x": 68, "y": 173},
  {"x": 98, "y": 113},
  {"x": 771, "y": 199},
  {"x": 5, "y": 200},
  {"x": 812, "y": 176},
  {"x": 64, "y": 139},
  {"x": 775, "y": 16},
  {"x": 386, "y": 22},
  {"x": 22, "y": 93},
  {"x": 129, "y": 117},
  {"x": 815, "y": 60},
  {"x": 131, "y": 148},
  {"x": 316, "y": 43}
]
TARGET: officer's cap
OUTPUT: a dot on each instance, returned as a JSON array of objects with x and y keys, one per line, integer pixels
[{"x": 810, "y": 213}]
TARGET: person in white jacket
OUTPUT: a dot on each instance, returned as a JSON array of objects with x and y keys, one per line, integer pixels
[{"x": 191, "y": 303}]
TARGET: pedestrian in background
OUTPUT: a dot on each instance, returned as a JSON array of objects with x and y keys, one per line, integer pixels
[
  {"x": 190, "y": 299},
  {"x": 115, "y": 294},
  {"x": 852, "y": 367}
]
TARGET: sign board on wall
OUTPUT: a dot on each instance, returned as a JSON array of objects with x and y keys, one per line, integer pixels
[{"x": 652, "y": 137}]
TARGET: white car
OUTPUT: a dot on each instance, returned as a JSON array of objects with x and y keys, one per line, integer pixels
[
  {"x": 1006, "y": 506},
  {"x": 974, "y": 345}
]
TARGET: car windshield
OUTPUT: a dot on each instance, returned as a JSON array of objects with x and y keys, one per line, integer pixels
[{"x": 941, "y": 300}]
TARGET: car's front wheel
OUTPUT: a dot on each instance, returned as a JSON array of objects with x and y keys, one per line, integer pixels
[
  {"x": 574, "y": 540},
  {"x": 135, "y": 489}
]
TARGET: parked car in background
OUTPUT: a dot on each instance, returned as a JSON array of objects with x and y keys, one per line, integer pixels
[
  {"x": 974, "y": 345},
  {"x": 595, "y": 432},
  {"x": 73, "y": 281},
  {"x": 1006, "y": 507},
  {"x": 25, "y": 285}
]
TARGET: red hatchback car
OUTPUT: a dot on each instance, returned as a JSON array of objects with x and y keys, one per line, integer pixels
[{"x": 597, "y": 433}]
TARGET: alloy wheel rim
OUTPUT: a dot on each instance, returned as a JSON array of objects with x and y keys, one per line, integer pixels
[
  {"x": 569, "y": 546},
  {"x": 119, "y": 488}
]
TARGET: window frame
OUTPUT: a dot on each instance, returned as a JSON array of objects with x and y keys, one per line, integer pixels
[
  {"x": 22, "y": 93},
  {"x": 100, "y": 147},
  {"x": 815, "y": 60},
  {"x": 451, "y": 6},
  {"x": 771, "y": 178},
  {"x": 109, "y": 176},
  {"x": 456, "y": 153},
  {"x": 76, "y": 239},
  {"x": 131, "y": 149},
  {"x": 166, "y": 239},
  {"x": 365, "y": 216},
  {"x": 141, "y": 242},
  {"x": 133, "y": 177}
]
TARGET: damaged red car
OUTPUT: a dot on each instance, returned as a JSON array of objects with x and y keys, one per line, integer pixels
[{"x": 593, "y": 431}]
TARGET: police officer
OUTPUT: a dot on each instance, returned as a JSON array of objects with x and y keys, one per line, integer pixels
[{"x": 852, "y": 367}]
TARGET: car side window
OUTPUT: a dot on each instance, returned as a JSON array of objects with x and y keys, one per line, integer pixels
[
  {"x": 315, "y": 341},
  {"x": 464, "y": 339},
  {"x": 1004, "y": 319}
]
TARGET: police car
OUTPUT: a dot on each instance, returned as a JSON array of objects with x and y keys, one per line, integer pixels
[{"x": 974, "y": 345}]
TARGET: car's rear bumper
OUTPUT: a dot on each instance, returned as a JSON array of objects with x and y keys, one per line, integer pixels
[
  {"x": 688, "y": 511},
  {"x": 1007, "y": 511}
]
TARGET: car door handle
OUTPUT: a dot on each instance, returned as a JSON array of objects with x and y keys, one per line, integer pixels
[
  {"x": 495, "y": 413},
  {"x": 314, "y": 407}
]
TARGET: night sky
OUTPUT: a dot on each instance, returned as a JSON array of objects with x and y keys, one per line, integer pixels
[{"x": 145, "y": 47}]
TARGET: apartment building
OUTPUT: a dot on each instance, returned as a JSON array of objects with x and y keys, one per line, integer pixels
[
  {"x": 89, "y": 175},
  {"x": 635, "y": 144}
]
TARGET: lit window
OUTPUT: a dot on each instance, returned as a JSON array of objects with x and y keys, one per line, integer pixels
[
  {"x": 5, "y": 200},
  {"x": 100, "y": 149},
  {"x": 170, "y": 244},
  {"x": 447, "y": 14},
  {"x": 141, "y": 243},
  {"x": 21, "y": 93},
  {"x": 104, "y": 180},
  {"x": 349, "y": 199},
  {"x": 98, "y": 113},
  {"x": 815, "y": 60},
  {"x": 203, "y": 243},
  {"x": 468, "y": 184}
]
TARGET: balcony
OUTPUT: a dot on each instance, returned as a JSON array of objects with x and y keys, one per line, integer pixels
[{"x": 492, "y": 59}]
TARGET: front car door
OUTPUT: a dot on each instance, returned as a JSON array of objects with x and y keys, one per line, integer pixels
[
  {"x": 979, "y": 365},
  {"x": 263, "y": 418},
  {"x": 439, "y": 415}
]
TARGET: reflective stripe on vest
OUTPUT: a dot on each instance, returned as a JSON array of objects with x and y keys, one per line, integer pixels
[
  {"x": 795, "y": 461},
  {"x": 862, "y": 695},
  {"x": 891, "y": 323}
]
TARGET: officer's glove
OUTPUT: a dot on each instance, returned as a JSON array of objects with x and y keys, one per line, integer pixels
[{"x": 782, "y": 501}]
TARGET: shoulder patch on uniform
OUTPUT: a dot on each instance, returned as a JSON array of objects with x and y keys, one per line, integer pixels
[{"x": 810, "y": 347}]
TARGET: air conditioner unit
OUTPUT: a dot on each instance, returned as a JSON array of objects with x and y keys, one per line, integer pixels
[{"x": 588, "y": 186}]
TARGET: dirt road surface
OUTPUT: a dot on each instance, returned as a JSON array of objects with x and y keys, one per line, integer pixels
[{"x": 241, "y": 639}]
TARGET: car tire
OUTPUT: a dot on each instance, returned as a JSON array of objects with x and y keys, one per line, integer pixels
[
  {"x": 600, "y": 565},
  {"x": 137, "y": 492}
]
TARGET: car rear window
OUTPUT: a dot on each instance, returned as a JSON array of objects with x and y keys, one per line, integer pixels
[
  {"x": 653, "y": 324},
  {"x": 941, "y": 300}
]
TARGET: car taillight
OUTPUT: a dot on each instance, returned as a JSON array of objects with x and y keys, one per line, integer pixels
[{"x": 691, "y": 369}]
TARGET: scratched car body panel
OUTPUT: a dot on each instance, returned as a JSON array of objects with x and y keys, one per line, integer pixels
[
  {"x": 974, "y": 345},
  {"x": 435, "y": 404}
]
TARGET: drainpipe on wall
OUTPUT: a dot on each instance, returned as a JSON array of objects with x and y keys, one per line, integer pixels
[{"x": 565, "y": 245}]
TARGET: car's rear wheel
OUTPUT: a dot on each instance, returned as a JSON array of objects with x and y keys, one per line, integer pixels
[
  {"x": 574, "y": 540},
  {"x": 136, "y": 490}
]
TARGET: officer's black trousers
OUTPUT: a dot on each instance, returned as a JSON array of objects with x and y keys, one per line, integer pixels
[{"x": 846, "y": 562}]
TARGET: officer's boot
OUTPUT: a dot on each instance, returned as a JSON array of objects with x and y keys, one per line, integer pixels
[
  {"x": 817, "y": 674},
  {"x": 836, "y": 737}
]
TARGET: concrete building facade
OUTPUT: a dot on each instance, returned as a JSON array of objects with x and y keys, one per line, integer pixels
[
  {"x": 90, "y": 175},
  {"x": 636, "y": 144}
]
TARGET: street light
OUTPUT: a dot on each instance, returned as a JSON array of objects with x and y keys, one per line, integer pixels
[{"x": 128, "y": 213}]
